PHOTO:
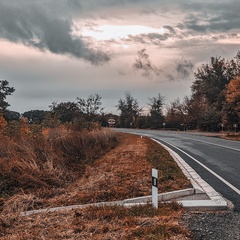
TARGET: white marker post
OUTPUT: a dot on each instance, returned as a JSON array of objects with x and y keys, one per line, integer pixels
[{"x": 155, "y": 188}]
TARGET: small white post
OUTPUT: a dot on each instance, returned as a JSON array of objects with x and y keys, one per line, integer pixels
[{"x": 155, "y": 188}]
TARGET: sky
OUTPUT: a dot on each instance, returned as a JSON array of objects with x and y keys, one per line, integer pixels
[{"x": 56, "y": 51}]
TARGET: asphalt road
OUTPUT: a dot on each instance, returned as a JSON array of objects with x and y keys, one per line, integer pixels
[{"x": 216, "y": 160}]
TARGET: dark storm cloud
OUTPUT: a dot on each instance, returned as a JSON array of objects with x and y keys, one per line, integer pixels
[
  {"x": 46, "y": 27},
  {"x": 205, "y": 18},
  {"x": 200, "y": 22},
  {"x": 215, "y": 17},
  {"x": 49, "y": 24}
]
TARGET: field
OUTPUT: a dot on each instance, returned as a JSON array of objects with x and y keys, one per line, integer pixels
[{"x": 64, "y": 168}]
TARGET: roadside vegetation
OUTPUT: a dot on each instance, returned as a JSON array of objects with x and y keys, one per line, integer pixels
[
  {"x": 48, "y": 158},
  {"x": 232, "y": 136},
  {"x": 43, "y": 168},
  {"x": 111, "y": 222}
]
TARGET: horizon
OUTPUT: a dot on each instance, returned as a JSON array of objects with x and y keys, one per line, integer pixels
[{"x": 60, "y": 51}]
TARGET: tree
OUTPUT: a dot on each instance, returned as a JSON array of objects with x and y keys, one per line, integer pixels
[
  {"x": 195, "y": 107},
  {"x": 233, "y": 93},
  {"x": 208, "y": 101},
  {"x": 210, "y": 121},
  {"x": 11, "y": 115},
  {"x": 129, "y": 111},
  {"x": 211, "y": 80},
  {"x": 144, "y": 121},
  {"x": 156, "y": 113},
  {"x": 65, "y": 111},
  {"x": 176, "y": 116},
  {"x": 5, "y": 91},
  {"x": 35, "y": 116},
  {"x": 231, "y": 114},
  {"x": 234, "y": 66},
  {"x": 91, "y": 106}
]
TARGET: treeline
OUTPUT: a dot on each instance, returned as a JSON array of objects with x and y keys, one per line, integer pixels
[
  {"x": 214, "y": 105},
  {"x": 78, "y": 115},
  {"x": 215, "y": 100}
]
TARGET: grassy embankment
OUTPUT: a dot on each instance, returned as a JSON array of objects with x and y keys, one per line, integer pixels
[{"x": 59, "y": 167}]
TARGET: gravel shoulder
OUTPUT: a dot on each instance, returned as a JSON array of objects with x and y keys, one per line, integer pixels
[{"x": 224, "y": 225}]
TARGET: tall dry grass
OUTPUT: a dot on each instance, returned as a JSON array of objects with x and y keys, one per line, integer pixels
[
  {"x": 36, "y": 165},
  {"x": 42, "y": 170},
  {"x": 49, "y": 160}
]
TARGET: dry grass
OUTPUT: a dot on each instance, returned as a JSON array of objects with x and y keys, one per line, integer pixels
[
  {"x": 112, "y": 222},
  {"x": 169, "y": 176},
  {"x": 125, "y": 172},
  {"x": 232, "y": 136},
  {"x": 52, "y": 176},
  {"x": 49, "y": 161}
]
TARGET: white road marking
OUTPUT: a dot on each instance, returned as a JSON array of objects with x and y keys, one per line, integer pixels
[
  {"x": 208, "y": 169},
  {"x": 218, "y": 145}
]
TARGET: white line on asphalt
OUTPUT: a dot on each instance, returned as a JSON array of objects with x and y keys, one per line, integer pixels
[
  {"x": 218, "y": 145},
  {"x": 208, "y": 169}
]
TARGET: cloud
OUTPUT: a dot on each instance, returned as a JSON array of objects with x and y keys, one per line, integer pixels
[
  {"x": 179, "y": 69},
  {"x": 184, "y": 68},
  {"x": 144, "y": 65},
  {"x": 148, "y": 11},
  {"x": 46, "y": 27},
  {"x": 217, "y": 17},
  {"x": 151, "y": 38}
]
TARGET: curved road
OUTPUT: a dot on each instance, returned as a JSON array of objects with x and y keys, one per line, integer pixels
[{"x": 216, "y": 160}]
